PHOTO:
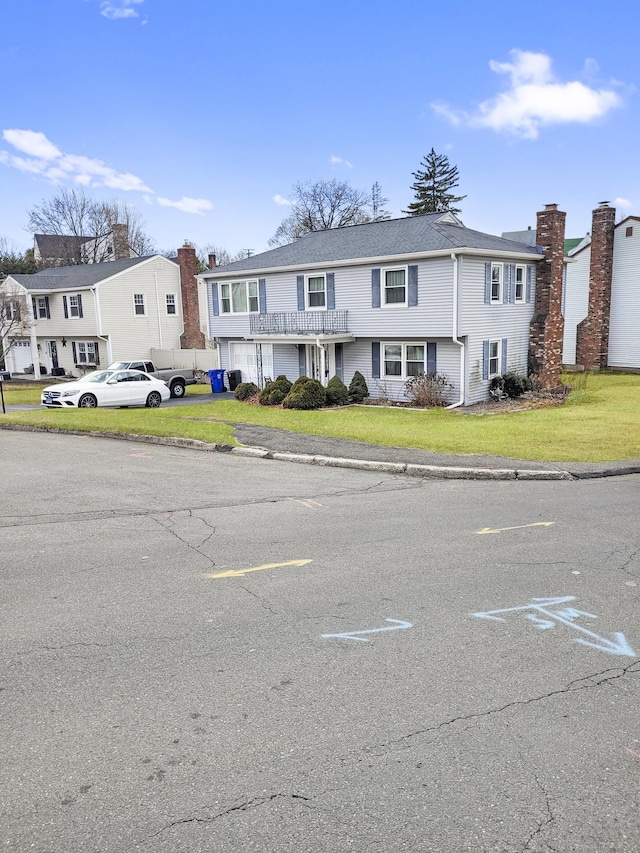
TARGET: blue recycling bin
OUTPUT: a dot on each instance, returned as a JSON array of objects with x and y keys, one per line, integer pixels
[{"x": 216, "y": 378}]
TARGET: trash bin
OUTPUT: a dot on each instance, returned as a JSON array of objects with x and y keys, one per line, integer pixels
[
  {"x": 216, "y": 378},
  {"x": 234, "y": 378}
]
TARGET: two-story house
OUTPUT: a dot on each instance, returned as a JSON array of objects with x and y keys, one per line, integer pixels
[
  {"x": 391, "y": 299},
  {"x": 86, "y": 315}
]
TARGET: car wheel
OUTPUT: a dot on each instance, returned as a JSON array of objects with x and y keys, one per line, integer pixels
[
  {"x": 87, "y": 401},
  {"x": 177, "y": 389},
  {"x": 153, "y": 400}
]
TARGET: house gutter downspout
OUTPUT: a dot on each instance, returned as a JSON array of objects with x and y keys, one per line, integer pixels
[
  {"x": 323, "y": 363},
  {"x": 454, "y": 335},
  {"x": 107, "y": 340},
  {"x": 155, "y": 276}
]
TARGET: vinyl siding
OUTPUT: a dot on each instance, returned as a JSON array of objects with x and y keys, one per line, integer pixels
[
  {"x": 480, "y": 321},
  {"x": 431, "y": 316},
  {"x": 133, "y": 336},
  {"x": 576, "y": 302},
  {"x": 624, "y": 337}
]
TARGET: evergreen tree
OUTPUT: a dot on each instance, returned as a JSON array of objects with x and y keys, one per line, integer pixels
[{"x": 432, "y": 185}]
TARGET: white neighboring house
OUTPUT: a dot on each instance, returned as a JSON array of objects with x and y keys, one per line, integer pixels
[
  {"x": 602, "y": 295},
  {"x": 83, "y": 316},
  {"x": 391, "y": 299}
]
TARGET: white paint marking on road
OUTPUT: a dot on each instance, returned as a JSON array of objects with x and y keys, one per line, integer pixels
[{"x": 399, "y": 625}]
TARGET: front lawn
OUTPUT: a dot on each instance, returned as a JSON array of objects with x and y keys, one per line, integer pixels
[{"x": 597, "y": 424}]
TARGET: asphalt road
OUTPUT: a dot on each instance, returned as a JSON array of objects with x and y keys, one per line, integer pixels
[{"x": 157, "y": 696}]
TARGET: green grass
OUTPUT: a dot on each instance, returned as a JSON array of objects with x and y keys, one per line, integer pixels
[{"x": 599, "y": 422}]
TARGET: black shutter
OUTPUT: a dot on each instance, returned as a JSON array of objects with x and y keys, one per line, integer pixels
[
  {"x": 75, "y": 354},
  {"x": 375, "y": 288},
  {"x": 331, "y": 291},
  {"x": 34, "y": 307},
  {"x": 262, "y": 295},
  {"x": 413, "y": 286},
  {"x": 375, "y": 359},
  {"x": 66, "y": 310},
  {"x": 80, "y": 314},
  {"x": 339, "y": 361},
  {"x": 431, "y": 357},
  {"x": 300, "y": 289},
  {"x": 97, "y": 354},
  {"x": 46, "y": 303}
]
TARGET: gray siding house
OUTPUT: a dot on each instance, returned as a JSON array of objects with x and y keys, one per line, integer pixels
[{"x": 392, "y": 299}]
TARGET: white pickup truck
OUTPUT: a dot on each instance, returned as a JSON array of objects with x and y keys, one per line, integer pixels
[{"x": 177, "y": 380}]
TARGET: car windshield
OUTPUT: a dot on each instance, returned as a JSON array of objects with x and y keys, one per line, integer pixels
[{"x": 97, "y": 376}]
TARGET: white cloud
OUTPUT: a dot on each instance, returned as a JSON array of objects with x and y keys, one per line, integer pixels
[
  {"x": 281, "y": 200},
  {"x": 338, "y": 161},
  {"x": 114, "y": 9},
  {"x": 535, "y": 98},
  {"x": 187, "y": 205},
  {"x": 622, "y": 202},
  {"x": 45, "y": 159},
  {"x": 31, "y": 142},
  {"x": 37, "y": 155}
]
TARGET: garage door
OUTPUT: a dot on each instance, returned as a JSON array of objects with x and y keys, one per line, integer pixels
[
  {"x": 20, "y": 355},
  {"x": 244, "y": 357}
]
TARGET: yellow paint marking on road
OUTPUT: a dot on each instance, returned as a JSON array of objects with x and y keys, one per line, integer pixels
[
  {"x": 239, "y": 573},
  {"x": 310, "y": 504},
  {"x": 518, "y": 527}
]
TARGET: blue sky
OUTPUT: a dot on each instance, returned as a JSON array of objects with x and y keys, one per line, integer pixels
[{"x": 203, "y": 114}]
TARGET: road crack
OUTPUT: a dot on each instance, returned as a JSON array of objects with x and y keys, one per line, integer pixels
[{"x": 255, "y": 802}]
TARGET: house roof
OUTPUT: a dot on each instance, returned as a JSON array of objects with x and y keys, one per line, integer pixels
[
  {"x": 78, "y": 276},
  {"x": 58, "y": 246},
  {"x": 433, "y": 232},
  {"x": 529, "y": 237}
]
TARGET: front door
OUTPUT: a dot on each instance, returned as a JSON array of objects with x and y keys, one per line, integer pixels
[
  {"x": 321, "y": 362},
  {"x": 53, "y": 354}
]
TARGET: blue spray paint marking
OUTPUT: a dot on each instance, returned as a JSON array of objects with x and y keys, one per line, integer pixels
[
  {"x": 549, "y": 619},
  {"x": 354, "y": 635}
]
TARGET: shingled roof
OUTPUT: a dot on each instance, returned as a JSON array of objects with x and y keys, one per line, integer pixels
[
  {"x": 76, "y": 277},
  {"x": 433, "y": 232}
]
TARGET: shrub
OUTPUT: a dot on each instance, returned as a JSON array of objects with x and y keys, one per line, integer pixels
[
  {"x": 358, "y": 390},
  {"x": 428, "y": 391},
  {"x": 337, "y": 392},
  {"x": 274, "y": 392},
  {"x": 305, "y": 393},
  {"x": 245, "y": 390},
  {"x": 512, "y": 383}
]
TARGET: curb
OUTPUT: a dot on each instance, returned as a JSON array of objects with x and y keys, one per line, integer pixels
[{"x": 427, "y": 472}]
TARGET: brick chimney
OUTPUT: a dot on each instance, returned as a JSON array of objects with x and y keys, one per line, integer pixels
[
  {"x": 120, "y": 242},
  {"x": 592, "y": 339},
  {"x": 192, "y": 336},
  {"x": 213, "y": 263},
  {"x": 547, "y": 325}
]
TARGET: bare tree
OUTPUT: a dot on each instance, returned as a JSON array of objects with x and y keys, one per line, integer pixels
[
  {"x": 83, "y": 225},
  {"x": 326, "y": 204},
  {"x": 14, "y": 320}
]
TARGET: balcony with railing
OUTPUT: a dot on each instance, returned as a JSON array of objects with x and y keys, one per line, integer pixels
[{"x": 300, "y": 323}]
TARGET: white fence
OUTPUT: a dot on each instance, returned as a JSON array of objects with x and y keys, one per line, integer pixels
[{"x": 198, "y": 359}]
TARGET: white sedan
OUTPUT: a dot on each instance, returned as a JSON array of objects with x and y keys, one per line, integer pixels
[{"x": 107, "y": 388}]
